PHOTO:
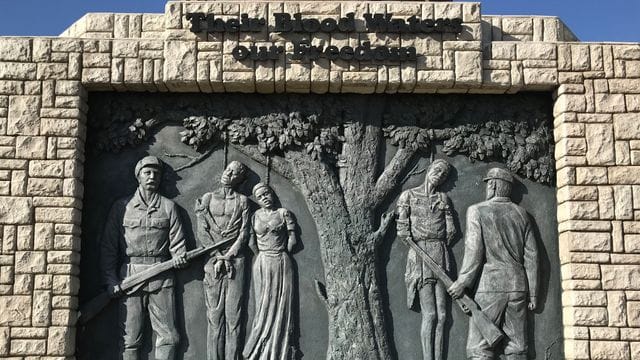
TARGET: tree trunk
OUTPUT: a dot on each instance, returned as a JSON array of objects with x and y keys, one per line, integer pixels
[{"x": 352, "y": 297}]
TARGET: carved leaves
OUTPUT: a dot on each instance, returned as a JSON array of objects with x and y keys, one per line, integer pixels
[
  {"x": 515, "y": 130},
  {"x": 525, "y": 147}
]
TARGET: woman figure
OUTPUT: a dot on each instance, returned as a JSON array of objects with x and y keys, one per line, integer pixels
[{"x": 273, "y": 237}]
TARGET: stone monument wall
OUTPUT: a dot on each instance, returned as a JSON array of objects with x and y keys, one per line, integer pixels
[{"x": 44, "y": 84}]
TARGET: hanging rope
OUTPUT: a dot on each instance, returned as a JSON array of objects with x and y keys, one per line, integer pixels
[
  {"x": 268, "y": 177},
  {"x": 226, "y": 149}
]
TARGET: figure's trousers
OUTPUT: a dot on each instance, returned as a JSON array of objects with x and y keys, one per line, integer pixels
[
  {"x": 509, "y": 312},
  {"x": 224, "y": 299},
  {"x": 160, "y": 306}
]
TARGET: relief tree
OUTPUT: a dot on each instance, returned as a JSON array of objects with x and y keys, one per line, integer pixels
[{"x": 333, "y": 150}]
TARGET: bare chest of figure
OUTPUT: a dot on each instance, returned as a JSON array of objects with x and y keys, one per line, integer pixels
[{"x": 222, "y": 209}]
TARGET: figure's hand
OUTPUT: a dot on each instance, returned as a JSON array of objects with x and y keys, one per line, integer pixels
[
  {"x": 386, "y": 219},
  {"x": 219, "y": 269},
  {"x": 533, "y": 303},
  {"x": 456, "y": 290},
  {"x": 114, "y": 291},
  {"x": 228, "y": 267},
  {"x": 180, "y": 262}
]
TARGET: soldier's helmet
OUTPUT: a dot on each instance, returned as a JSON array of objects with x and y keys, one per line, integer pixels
[
  {"x": 499, "y": 173},
  {"x": 146, "y": 161}
]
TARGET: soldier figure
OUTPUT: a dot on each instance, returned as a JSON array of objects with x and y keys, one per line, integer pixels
[
  {"x": 141, "y": 231},
  {"x": 224, "y": 214},
  {"x": 425, "y": 215},
  {"x": 500, "y": 250}
]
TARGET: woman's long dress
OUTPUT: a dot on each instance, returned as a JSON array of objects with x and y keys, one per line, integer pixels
[{"x": 271, "y": 335}]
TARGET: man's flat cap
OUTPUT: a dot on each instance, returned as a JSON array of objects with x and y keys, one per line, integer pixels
[
  {"x": 151, "y": 161},
  {"x": 499, "y": 173}
]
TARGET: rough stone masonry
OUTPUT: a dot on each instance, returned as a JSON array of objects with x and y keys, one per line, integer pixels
[{"x": 44, "y": 83}]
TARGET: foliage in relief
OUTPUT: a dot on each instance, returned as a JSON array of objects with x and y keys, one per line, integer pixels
[{"x": 518, "y": 135}]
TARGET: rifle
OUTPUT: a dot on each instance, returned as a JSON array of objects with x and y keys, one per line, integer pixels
[
  {"x": 485, "y": 326},
  {"x": 132, "y": 283}
]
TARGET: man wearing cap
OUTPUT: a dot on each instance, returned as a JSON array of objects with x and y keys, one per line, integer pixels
[
  {"x": 223, "y": 215},
  {"x": 501, "y": 255},
  {"x": 425, "y": 216},
  {"x": 142, "y": 230}
]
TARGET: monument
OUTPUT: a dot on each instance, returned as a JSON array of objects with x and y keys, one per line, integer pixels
[{"x": 375, "y": 124}]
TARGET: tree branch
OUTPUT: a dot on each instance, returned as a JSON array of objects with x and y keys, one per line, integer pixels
[
  {"x": 193, "y": 159},
  {"x": 278, "y": 164},
  {"x": 392, "y": 174}
]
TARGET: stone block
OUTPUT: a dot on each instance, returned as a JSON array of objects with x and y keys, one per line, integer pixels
[
  {"x": 585, "y": 316},
  {"x": 15, "y": 310},
  {"x": 595, "y": 118},
  {"x": 581, "y": 193},
  {"x": 24, "y": 115},
  {"x": 517, "y": 25},
  {"x": 16, "y": 210},
  {"x": 584, "y": 298},
  {"x": 29, "y": 347},
  {"x": 61, "y": 341},
  {"x": 633, "y": 102},
  {"x": 616, "y": 307},
  {"x": 96, "y": 75},
  {"x": 610, "y": 103},
  {"x": 58, "y": 215},
  {"x": 578, "y": 210},
  {"x": 626, "y": 52},
  {"x": 569, "y": 103},
  {"x": 536, "y": 51},
  {"x": 624, "y": 86},
  {"x": 15, "y": 49},
  {"x": 61, "y": 127},
  {"x": 609, "y": 350},
  {"x": 624, "y": 175},
  {"x": 577, "y": 271},
  {"x": 31, "y": 147},
  {"x": 620, "y": 277},
  {"x": 591, "y": 175},
  {"x": 623, "y": 153},
  {"x": 41, "y": 308},
  {"x": 627, "y": 126},
  {"x": 600, "y": 148},
  {"x": 24, "y": 239},
  {"x": 576, "y": 349},
  {"x": 28, "y": 262},
  {"x": 570, "y": 147},
  {"x": 586, "y": 241},
  {"x": 632, "y": 243},
  {"x": 17, "y": 71},
  {"x": 580, "y": 57},
  {"x": 503, "y": 51},
  {"x": 44, "y": 187},
  {"x": 180, "y": 61},
  {"x": 540, "y": 77},
  {"x": 604, "y": 333},
  {"x": 468, "y": 68},
  {"x": 606, "y": 202},
  {"x": 623, "y": 202},
  {"x": 435, "y": 78}
]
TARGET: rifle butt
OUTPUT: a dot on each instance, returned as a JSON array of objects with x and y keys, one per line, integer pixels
[
  {"x": 486, "y": 327},
  {"x": 90, "y": 309}
]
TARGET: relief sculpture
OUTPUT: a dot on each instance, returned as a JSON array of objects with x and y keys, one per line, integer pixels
[
  {"x": 223, "y": 215},
  {"x": 501, "y": 256},
  {"x": 144, "y": 230},
  {"x": 343, "y": 161},
  {"x": 273, "y": 238},
  {"x": 424, "y": 216}
]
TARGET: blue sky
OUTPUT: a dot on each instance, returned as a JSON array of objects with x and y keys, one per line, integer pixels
[{"x": 590, "y": 20}]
